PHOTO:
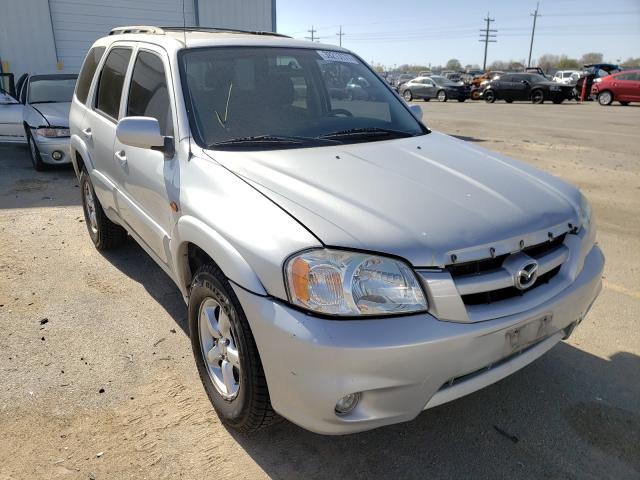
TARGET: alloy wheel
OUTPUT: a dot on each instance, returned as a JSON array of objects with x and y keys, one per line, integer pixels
[{"x": 219, "y": 349}]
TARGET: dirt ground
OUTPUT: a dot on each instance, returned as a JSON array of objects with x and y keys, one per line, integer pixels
[{"x": 97, "y": 378}]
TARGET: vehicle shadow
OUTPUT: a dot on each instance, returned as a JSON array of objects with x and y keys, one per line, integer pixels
[
  {"x": 468, "y": 139},
  {"x": 568, "y": 415},
  {"x": 22, "y": 187},
  {"x": 134, "y": 262}
]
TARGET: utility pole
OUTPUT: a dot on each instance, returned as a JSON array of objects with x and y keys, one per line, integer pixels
[
  {"x": 340, "y": 34},
  {"x": 489, "y": 36},
  {"x": 535, "y": 16},
  {"x": 313, "y": 33}
]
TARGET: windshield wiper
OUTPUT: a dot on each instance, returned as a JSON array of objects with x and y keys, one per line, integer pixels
[
  {"x": 266, "y": 140},
  {"x": 368, "y": 132}
]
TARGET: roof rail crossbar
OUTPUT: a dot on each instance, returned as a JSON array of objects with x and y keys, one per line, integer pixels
[
  {"x": 222, "y": 30},
  {"x": 148, "y": 29}
]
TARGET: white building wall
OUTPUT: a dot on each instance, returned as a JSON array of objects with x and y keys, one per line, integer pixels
[
  {"x": 26, "y": 38},
  {"x": 42, "y": 35}
]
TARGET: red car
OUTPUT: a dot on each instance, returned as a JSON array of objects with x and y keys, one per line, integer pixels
[{"x": 623, "y": 87}]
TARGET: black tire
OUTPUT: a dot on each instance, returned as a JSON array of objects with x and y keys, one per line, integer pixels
[
  {"x": 105, "y": 235},
  {"x": 605, "y": 98},
  {"x": 407, "y": 95},
  {"x": 625, "y": 103},
  {"x": 489, "y": 96},
  {"x": 34, "y": 153},
  {"x": 250, "y": 409},
  {"x": 442, "y": 96},
  {"x": 509, "y": 101},
  {"x": 537, "y": 97}
]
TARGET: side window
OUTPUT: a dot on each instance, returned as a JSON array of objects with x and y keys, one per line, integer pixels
[
  {"x": 148, "y": 94},
  {"x": 86, "y": 73},
  {"x": 111, "y": 81}
]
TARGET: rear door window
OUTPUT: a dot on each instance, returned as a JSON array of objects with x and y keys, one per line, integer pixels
[
  {"x": 86, "y": 73},
  {"x": 148, "y": 93},
  {"x": 111, "y": 81}
]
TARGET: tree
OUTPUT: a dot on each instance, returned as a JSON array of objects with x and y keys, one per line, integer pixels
[
  {"x": 548, "y": 62},
  {"x": 515, "y": 66},
  {"x": 566, "y": 63},
  {"x": 497, "y": 65},
  {"x": 591, "y": 57},
  {"x": 454, "y": 64},
  {"x": 631, "y": 62}
]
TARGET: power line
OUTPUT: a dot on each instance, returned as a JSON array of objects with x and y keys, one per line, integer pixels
[
  {"x": 489, "y": 34},
  {"x": 535, "y": 16},
  {"x": 340, "y": 35}
]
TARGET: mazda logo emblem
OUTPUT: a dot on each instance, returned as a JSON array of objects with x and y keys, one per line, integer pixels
[{"x": 526, "y": 275}]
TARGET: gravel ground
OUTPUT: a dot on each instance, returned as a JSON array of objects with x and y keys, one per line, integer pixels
[{"x": 98, "y": 381}]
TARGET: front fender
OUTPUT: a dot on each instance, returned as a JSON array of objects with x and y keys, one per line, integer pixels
[{"x": 189, "y": 229}]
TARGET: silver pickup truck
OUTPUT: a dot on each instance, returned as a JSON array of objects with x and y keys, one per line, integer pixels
[{"x": 344, "y": 266}]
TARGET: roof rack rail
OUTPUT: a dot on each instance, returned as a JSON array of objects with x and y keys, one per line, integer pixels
[
  {"x": 217, "y": 29},
  {"x": 148, "y": 29}
]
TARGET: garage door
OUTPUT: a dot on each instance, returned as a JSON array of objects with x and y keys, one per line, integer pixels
[{"x": 78, "y": 23}]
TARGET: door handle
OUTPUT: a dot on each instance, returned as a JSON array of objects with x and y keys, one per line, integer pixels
[
  {"x": 87, "y": 132},
  {"x": 122, "y": 158}
]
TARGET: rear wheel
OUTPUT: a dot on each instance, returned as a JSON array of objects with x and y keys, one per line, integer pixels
[
  {"x": 605, "y": 98},
  {"x": 36, "y": 159},
  {"x": 226, "y": 354},
  {"x": 408, "y": 96},
  {"x": 537, "y": 97},
  {"x": 442, "y": 96},
  {"x": 103, "y": 232},
  {"x": 489, "y": 96}
]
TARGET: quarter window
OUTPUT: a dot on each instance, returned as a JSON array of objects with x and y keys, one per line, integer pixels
[
  {"x": 148, "y": 93},
  {"x": 86, "y": 73},
  {"x": 111, "y": 81}
]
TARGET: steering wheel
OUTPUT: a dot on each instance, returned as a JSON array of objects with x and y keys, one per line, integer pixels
[{"x": 340, "y": 111}]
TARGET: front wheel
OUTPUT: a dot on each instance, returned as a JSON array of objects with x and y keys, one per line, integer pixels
[
  {"x": 489, "y": 96},
  {"x": 408, "y": 96},
  {"x": 605, "y": 98},
  {"x": 36, "y": 159},
  {"x": 442, "y": 96},
  {"x": 226, "y": 354},
  {"x": 537, "y": 97}
]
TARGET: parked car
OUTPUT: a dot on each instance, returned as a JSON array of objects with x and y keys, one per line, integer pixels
[
  {"x": 525, "y": 86},
  {"x": 402, "y": 79},
  {"x": 479, "y": 82},
  {"x": 591, "y": 72},
  {"x": 436, "y": 87},
  {"x": 623, "y": 87},
  {"x": 11, "y": 127},
  {"x": 40, "y": 115},
  {"x": 566, "y": 77},
  {"x": 343, "y": 265}
]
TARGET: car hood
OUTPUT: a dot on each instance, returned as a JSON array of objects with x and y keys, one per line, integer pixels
[
  {"x": 56, "y": 114},
  {"x": 419, "y": 198}
]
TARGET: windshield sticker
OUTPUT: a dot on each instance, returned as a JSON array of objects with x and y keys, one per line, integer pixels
[{"x": 336, "y": 56}]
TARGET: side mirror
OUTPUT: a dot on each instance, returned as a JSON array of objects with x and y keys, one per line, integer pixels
[
  {"x": 144, "y": 132},
  {"x": 416, "y": 110}
]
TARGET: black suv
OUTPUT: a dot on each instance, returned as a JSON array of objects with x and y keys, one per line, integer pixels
[{"x": 525, "y": 86}]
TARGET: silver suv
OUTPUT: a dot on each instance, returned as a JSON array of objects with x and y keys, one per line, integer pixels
[{"x": 343, "y": 265}]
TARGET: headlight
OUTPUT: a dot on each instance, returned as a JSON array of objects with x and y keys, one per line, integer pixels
[
  {"x": 336, "y": 282},
  {"x": 52, "y": 132},
  {"x": 585, "y": 212}
]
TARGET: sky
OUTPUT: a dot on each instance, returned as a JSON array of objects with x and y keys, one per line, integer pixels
[{"x": 431, "y": 32}]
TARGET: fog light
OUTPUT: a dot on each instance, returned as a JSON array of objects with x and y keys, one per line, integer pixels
[
  {"x": 347, "y": 403},
  {"x": 57, "y": 155}
]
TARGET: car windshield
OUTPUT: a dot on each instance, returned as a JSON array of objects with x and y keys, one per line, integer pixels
[
  {"x": 442, "y": 80},
  {"x": 51, "y": 88},
  {"x": 265, "y": 97},
  {"x": 535, "y": 78}
]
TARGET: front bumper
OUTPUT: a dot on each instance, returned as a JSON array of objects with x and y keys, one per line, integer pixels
[
  {"x": 401, "y": 365},
  {"x": 46, "y": 147}
]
